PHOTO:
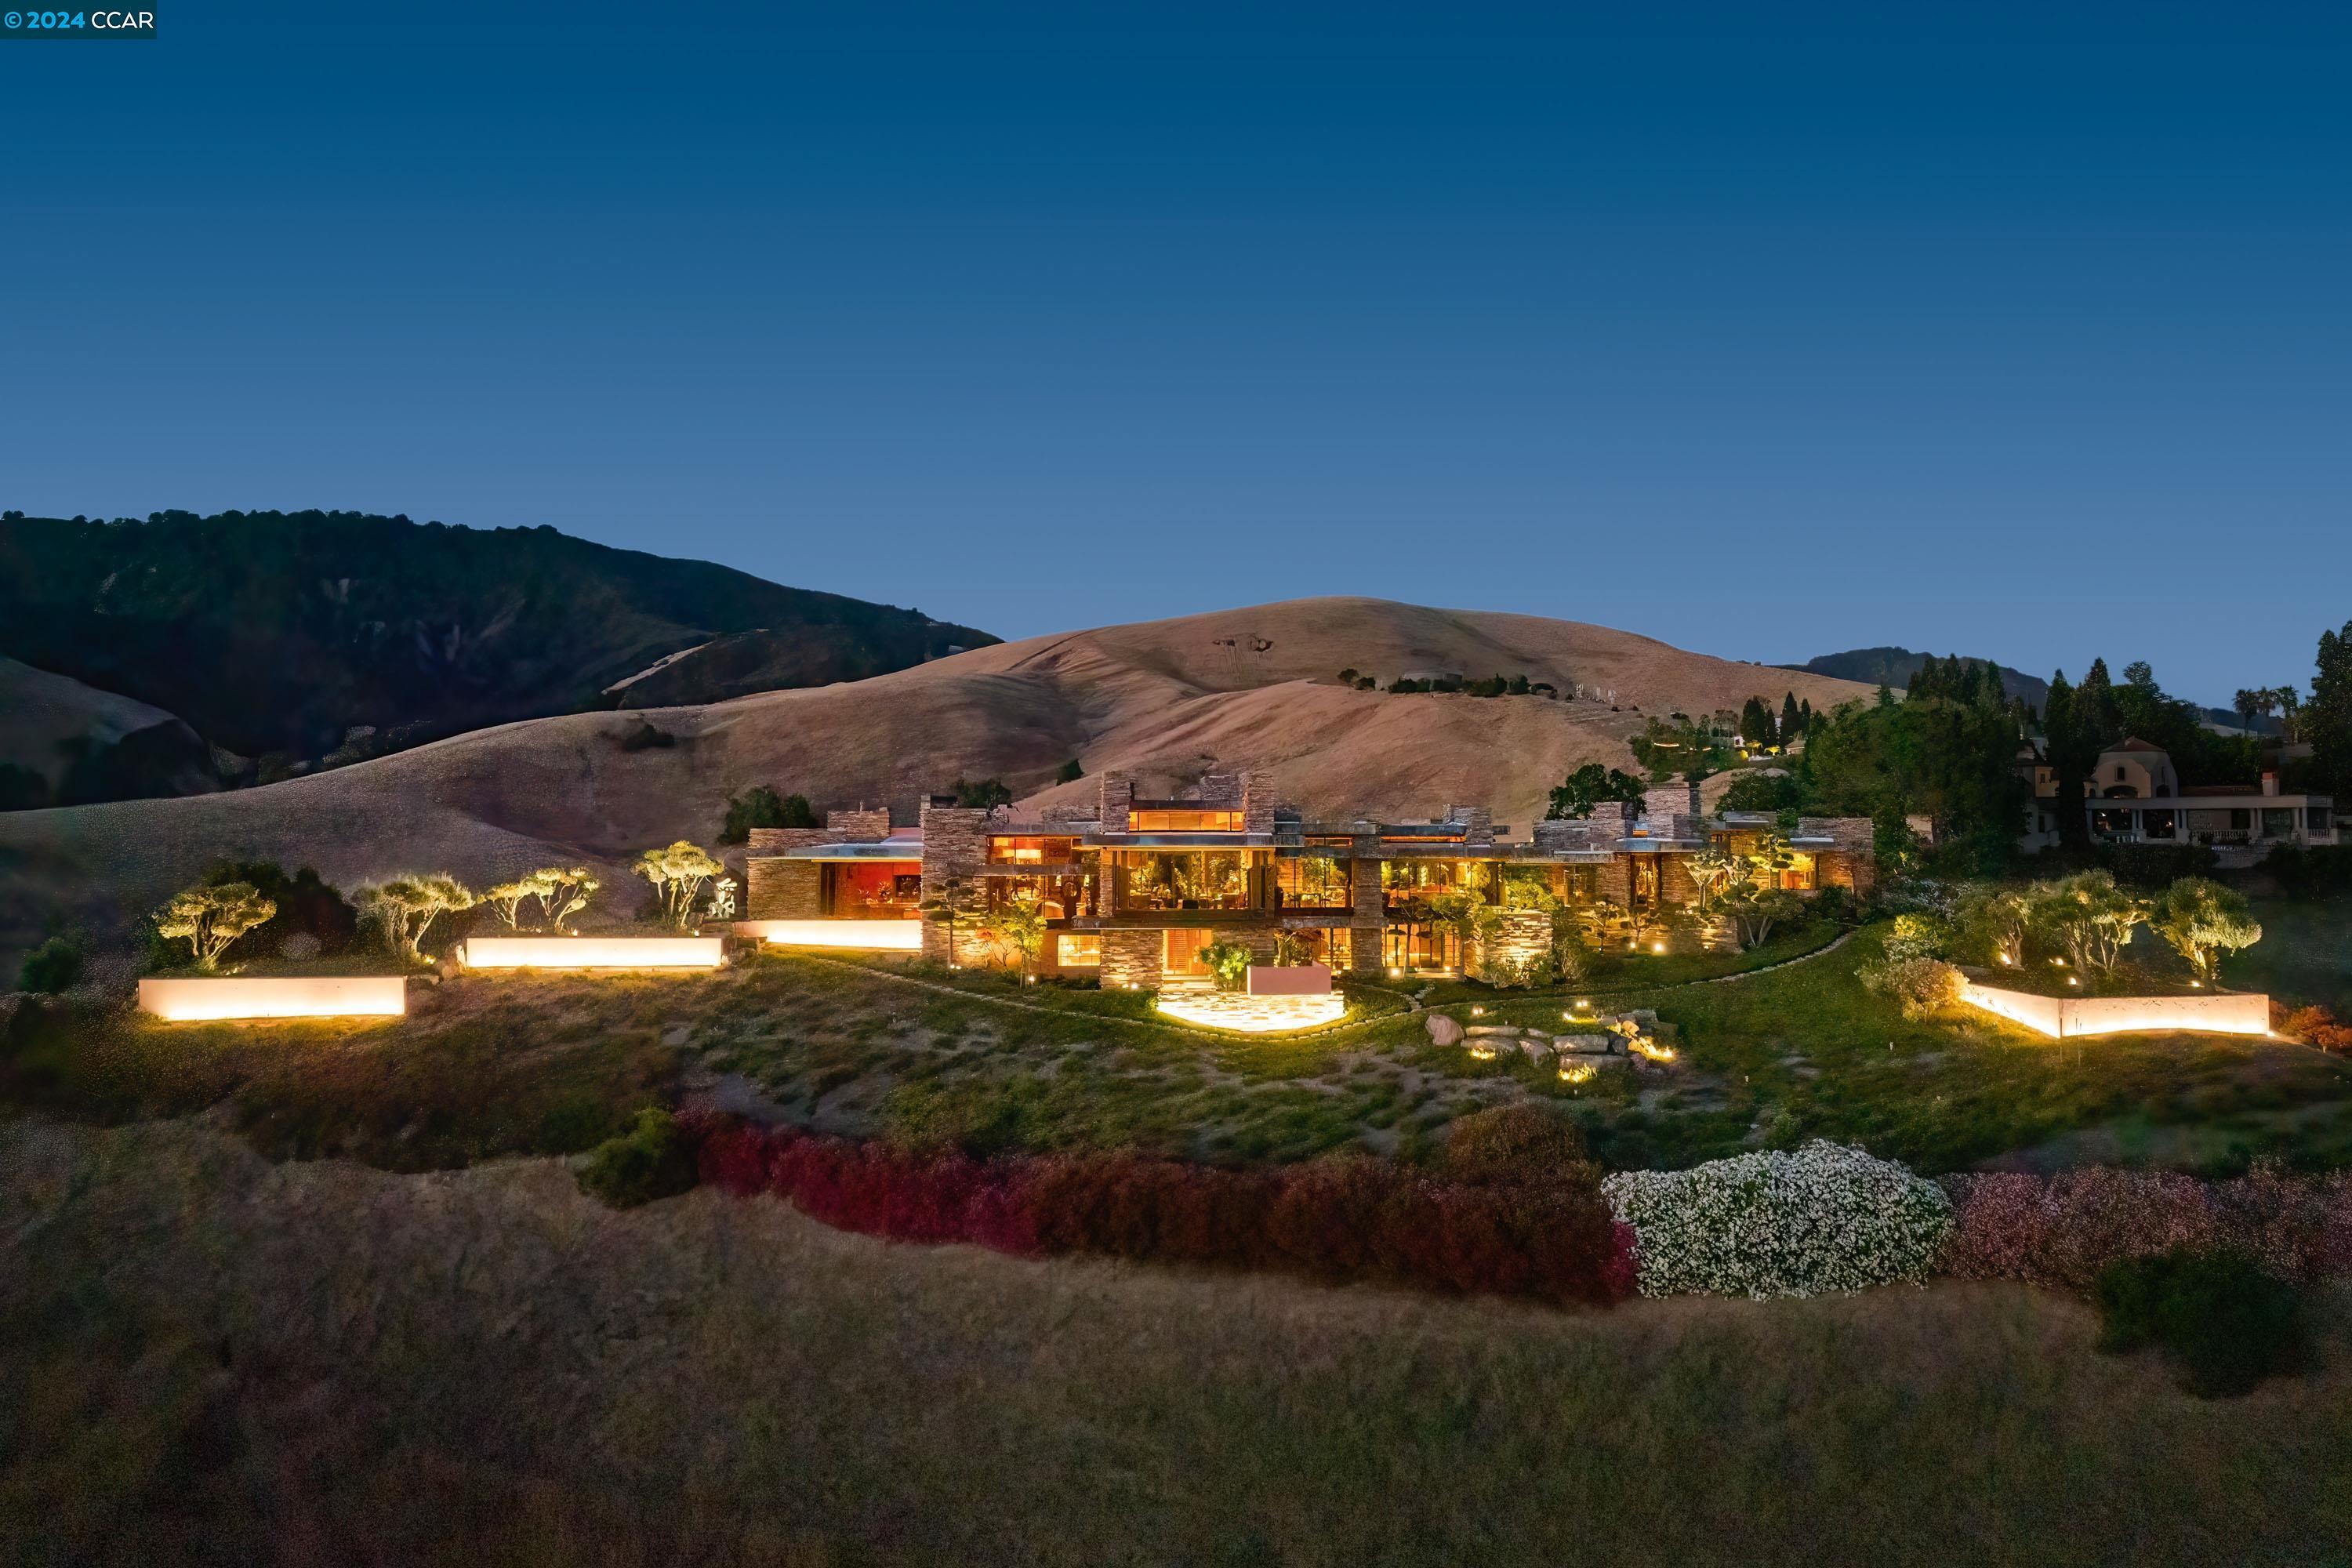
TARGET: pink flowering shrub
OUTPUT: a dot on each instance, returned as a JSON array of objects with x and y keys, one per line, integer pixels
[{"x": 2063, "y": 1230}]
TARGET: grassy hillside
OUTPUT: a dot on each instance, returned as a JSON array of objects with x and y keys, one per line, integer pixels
[
  {"x": 278, "y": 632},
  {"x": 1165, "y": 700},
  {"x": 204, "y": 1357}
]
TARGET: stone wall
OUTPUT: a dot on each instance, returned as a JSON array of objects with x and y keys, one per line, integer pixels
[
  {"x": 783, "y": 890},
  {"x": 1131, "y": 959},
  {"x": 1257, "y": 803},
  {"x": 776, "y": 840},
  {"x": 955, "y": 848},
  {"x": 777, "y": 890},
  {"x": 1853, "y": 863},
  {"x": 860, "y": 827},
  {"x": 1669, "y": 803},
  {"x": 1370, "y": 916},
  {"x": 1115, "y": 793},
  {"x": 1520, "y": 937}
]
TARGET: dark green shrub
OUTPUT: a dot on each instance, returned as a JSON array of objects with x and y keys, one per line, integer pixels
[
  {"x": 2223, "y": 1322},
  {"x": 982, "y": 794},
  {"x": 1069, "y": 772},
  {"x": 51, "y": 967},
  {"x": 761, "y": 806},
  {"x": 652, "y": 1160}
]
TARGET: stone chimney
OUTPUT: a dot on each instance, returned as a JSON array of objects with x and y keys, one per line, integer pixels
[
  {"x": 2270, "y": 784},
  {"x": 1117, "y": 792},
  {"x": 1257, "y": 803},
  {"x": 1673, "y": 809}
]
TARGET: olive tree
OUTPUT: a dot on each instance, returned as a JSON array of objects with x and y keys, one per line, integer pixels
[
  {"x": 562, "y": 892},
  {"x": 2088, "y": 917},
  {"x": 209, "y": 919},
  {"x": 677, "y": 872},
  {"x": 406, "y": 906},
  {"x": 2203, "y": 920}
]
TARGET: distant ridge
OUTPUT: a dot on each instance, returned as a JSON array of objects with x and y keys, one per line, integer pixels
[
  {"x": 1895, "y": 667},
  {"x": 282, "y": 634}
]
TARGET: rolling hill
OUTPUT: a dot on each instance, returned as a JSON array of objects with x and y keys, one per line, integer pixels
[
  {"x": 282, "y": 633},
  {"x": 1166, "y": 699}
]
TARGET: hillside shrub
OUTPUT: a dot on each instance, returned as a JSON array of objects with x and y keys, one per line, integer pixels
[
  {"x": 2313, "y": 1025},
  {"x": 655, "y": 1159},
  {"x": 1346, "y": 1217},
  {"x": 1919, "y": 986},
  {"x": 2223, "y": 1322},
  {"x": 51, "y": 967},
  {"x": 2064, "y": 1230},
  {"x": 761, "y": 806},
  {"x": 1825, "y": 1219}
]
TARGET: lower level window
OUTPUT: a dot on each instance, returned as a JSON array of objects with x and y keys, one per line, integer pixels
[{"x": 1075, "y": 949}]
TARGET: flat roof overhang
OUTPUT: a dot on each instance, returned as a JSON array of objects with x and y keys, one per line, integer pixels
[
  {"x": 909, "y": 854},
  {"x": 1178, "y": 840}
]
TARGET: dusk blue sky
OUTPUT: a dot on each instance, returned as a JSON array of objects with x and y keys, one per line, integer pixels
[{"x": 2024, "y": 332}]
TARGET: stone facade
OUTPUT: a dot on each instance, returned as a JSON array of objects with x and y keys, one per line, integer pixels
[
  {"x": 1115, "y": 793},
  {"x": 1131, "y": 959},
  {"x": 1521, "y": 936},
  {"x": 1853, "y": 863},
  {"x": 955, "y": 851},
  {"x": 1367, "y": 917},
  {"x": 860, "y": 827},
  {"x": 777, "y": 890}
]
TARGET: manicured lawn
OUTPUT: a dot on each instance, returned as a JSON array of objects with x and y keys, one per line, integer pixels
[{"x": 2305, "y": 957}]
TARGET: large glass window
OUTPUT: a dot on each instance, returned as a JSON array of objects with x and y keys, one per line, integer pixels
[
  {"x": 2278, "y": 822},
  {"x": 1183, "y": 880},
  {"x": 1059, "y": 897},
  {"x": 1032, "y": 851},
  {"x": 1313, "y": 882},
  {"x": 1416, "y": 881},
  {"x": 888, "y": 889},
  {"x": 1079, "y": 950},
  {"x": 1163, "y": 820}
]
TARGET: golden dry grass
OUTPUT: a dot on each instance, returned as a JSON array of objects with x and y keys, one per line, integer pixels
[
  {"x": 1166, "y": 699},
  {"x": 207, "y": 1357}
]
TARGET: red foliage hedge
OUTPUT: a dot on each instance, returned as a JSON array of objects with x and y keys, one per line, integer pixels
[{"x": 1348, "y": 1217}]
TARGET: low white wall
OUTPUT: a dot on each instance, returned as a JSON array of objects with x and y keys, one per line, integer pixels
[
  {"x": 276, "y": 996},
  {"x": 592, "y": 953},
  {"x": 2062, "y": 1017},
  {"x": 892, "y": 936}
]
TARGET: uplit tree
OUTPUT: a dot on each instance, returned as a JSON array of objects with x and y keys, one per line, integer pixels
[
  {"x": 209, "y": 919},
  {"x": 677, "y": 872},
  {"x": 506, "y": 901},
  {"x": 562, "y": 892},
  {"x": 2203, "y": 920},
  {"x": 1997, "y": 919},
  {"x": 2088, "y": 917},
  {"x": 1020, "y": 926},
  {"x": 406, "y": 906}
]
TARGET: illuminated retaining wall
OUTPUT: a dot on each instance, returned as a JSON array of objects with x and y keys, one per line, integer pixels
[
  {"x": 893, "y": 936},
  {"x": 2064, "y": 1018},
  {"x": 276, "y": 996},
  {"x": 592, "y": 953}
]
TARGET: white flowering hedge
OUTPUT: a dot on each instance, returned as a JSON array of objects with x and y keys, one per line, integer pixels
[{"x": 1823, "y": 1220}]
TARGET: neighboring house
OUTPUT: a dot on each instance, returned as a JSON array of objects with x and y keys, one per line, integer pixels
[
  {"x": 1135, "y": 889},
  {"x": 2135, "y": 796}
]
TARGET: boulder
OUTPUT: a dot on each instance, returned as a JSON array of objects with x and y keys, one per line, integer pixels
[
  {"x": 1534, "y": 1050},
  {"x": 1498, "y": 1031},
  {"x": 1588, "y": 1044},
  {"x": 1444, "y": 1031}
]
